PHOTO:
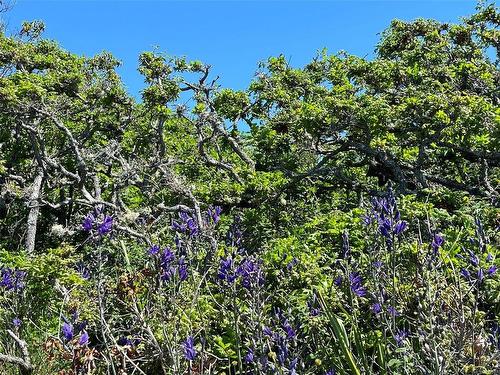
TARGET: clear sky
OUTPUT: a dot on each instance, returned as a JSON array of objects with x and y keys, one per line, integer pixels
[{"x": 232, "y": 36}]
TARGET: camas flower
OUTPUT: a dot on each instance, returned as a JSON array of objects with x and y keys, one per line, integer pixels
[
  {"x": 400, "y": 336},
  {"x": 189, "y": 350},
  {"x": 376, "y": 308},
  {"x": 235, "y": 235},
  {"x": 84, "y": 339},
  {"x": 356, "y": 284},
  {"x": 106, "y": 226},
  {"x": 225, "y": 270},
  {"x": 12, "y": 279},
  {"x": 250, "y": 273},
  {"x": 16, "y": 322},
  {"x": 154, "y": 250},
  {"x": 67, "y": 331},
  {"x": 437, "y": 242},
  {"x": 182, "y": 269},
  {"x": 292, "y": 264},
  {"x": 83, "y": 271},
  {"x": 465, "y": 273},
  {"x": 392, "y": 310},
  {"x": 293, "y": 366},
  {"x": 312, "y": 305},
  {"x": 88, "y": 222},
  {"x": 127, "y": 341},
  {"x": 249, "y": 357},
  {"x": 186, "y": 225},
  {"x": 480, "y": 275},
  {"x": 290, "y": 332},
  {"x": 338, "y": 281},
  {"x": 491, "y": 270},
  {"x": 214, "y": 213},
  {"x": 267, "y": 331},
  {"x": 473, "y": 259},
  {"x": 400, "y": 227}
]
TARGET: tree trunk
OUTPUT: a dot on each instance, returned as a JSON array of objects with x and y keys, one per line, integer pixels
[{"x": 34, "y": 206}]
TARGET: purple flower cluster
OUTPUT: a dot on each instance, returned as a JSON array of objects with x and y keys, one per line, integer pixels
[
  {"x": 475, "y": 272},
  {"x": 356, "y": 284},
  {"x": 12, "y": 279},
  {"x": 282, "y": 341},
  {"x": 128, "y": 341},
  {"x": 214, "y": 213},
  {"x": 186, "y": 225},
  {"x": 90, "y": 223},
  {"x": 72, "y": 328},
  {"x": 170, "y": 265},
  {"x": 437, "y": 242},
  {"x": 249, "y": 272},
  {"x": 189, "y": 349},
  {"x": 400, "y": 336},
  {"x": 386, "y": 215}
]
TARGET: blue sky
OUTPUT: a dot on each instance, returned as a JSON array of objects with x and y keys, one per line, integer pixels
[{"x": 232, "y": 36}]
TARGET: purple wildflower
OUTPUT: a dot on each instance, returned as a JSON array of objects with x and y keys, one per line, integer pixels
[
  {"x": 83, "y": 271},
  {"x": 250, "y": 273},
  {"x": 376, "y": 308},
  {"x": 225, "y": 268},
  {"x": 214, "y": 213},
  {"x": 235, "y": 235},
  {"x": 12, "y": 279},
  {"x": 183, "y": 269},
  {"x": 154, "y": 250},
  {"x": 84, "y": 339},
  {"x": 338, "y": 281},
  {"x": 313, "y": 309},
  {"x": 400, "y": 336},
  {"x": 67, "y": 331},
  {"x": 392, "y": 310},
  {"x": 473, "y": 259},
  {"x": 292, "y": 264},
  {"x": 357, "y": 284},
  {"x": 385, "y": 228},
  {"x": 480, "y": 274},
  {"x": 491, "y": 270},
  {"x": 290, "y": 332},
  {"x": 105, "y": 226},
  {"x": 400, "y": 227},
  {"x": 187, "y": 225},
  {"x": 367, "y": 220},
  {"x": 16, "y": 322},
  {"x": 437, "y": 242},
  {"x": 293, "y": 366},
  {"x": 189, "y": 350},
  {"x": 267, "y": 331},
  {"x": 249, "y": 357},
  {"x": 465, "y": 273},
  {"x": 126, "y": 341},
  {"x": 88, "y": 222}
]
